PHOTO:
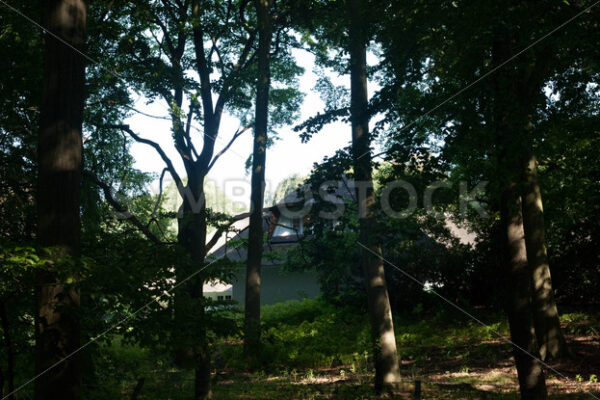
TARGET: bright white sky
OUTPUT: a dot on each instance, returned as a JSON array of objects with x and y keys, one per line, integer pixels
[{"x": 286, "y": 157}]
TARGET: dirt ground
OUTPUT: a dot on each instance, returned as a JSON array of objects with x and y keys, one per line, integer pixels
[{"x": 484, "y": 371}]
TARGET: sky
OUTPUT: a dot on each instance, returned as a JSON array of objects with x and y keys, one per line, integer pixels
[{"x": 286, "y": 157}]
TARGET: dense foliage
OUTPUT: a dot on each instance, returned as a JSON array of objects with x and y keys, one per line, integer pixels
[{"x": 451, "y": 78}]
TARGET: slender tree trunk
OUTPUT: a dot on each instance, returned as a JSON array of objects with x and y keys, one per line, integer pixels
[
  {"x": 59, "y": 178},
  {"x": 508, "y": 120},
  {"x": 531, "y": 376},
  {"x": 387, "y": 375},
  {"x": 138, "y": 389},
  {"x": 10, "y": 355},
  {"x": 545, "y": 313},
  {"x": 255, "y": 234}
]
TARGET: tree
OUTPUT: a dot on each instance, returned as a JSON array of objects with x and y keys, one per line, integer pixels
[
  {"x": 444, "y": 93},
  {"x": 387, "y": 373},
  {"x": 58, "y": 201},
  {"x": 255, "y": 233},
  {"x": 549, "y": 334},
  {"x": 200, "y": 59},
  {"x": 285, "y": 187},
  {"x": 352, "y": 36},
  {"x": 508, "y": 120},
  {"x": 174, "y": 23}
]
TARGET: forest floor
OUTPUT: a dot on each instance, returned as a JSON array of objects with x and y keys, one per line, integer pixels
[
  {"x": 443, "y": 378},
  {"x": 317, "y": 351}
]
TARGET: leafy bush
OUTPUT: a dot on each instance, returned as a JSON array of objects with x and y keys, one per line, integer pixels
[{"x": 579, "y": 323}]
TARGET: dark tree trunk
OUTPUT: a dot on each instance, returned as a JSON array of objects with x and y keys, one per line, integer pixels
[
  {"x": 531, "y": 376},
  {"x": 10, "y": 355},
  {"x": 255, "y": 234},
  {"x": 59, "y": 178},
  {"x": 549, "y": 334},
  {"x": 192, "y": 237},
  {"x": 387, "y": 375},
  {"x": 138, "y": 389},
  {"x": 509, "y": 120}
]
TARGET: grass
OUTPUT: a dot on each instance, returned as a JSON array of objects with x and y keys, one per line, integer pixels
[{"x": 314, "y": 350}]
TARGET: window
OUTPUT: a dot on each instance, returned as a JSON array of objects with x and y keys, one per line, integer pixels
[
  {"x": 219, "y": 297},
  {"x": 288, "y": 226},
  {"x": 227, "y": 297}
]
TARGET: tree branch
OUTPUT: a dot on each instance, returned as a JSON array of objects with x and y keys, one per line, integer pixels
[
  {"x": 202, "y": 64},
  {"x": 275, "y": 52},
  {"x": 238, "y": 67},
  {"x": 220, "y": 153},
  {"x": 215, "y": 238},
  {"x": 215, "y": 49},
  {"x": 159, "y": 150},
  {"x": 243, "y": 15},
  {"x": 160, "y": 192},
  {"x": 165, "y": 35},
  {"x": 122, "y": 209},
  {"x": 187, "y": 130}
]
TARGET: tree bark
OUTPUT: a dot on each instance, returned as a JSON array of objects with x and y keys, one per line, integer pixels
[
  {"x": 192, "y": 237},
  {"x": 549, "y": 334},
  {"x": 531, "y": 376},
  {"x": 59, "y": 179},
  {"x": 387, "y": 375},
  {"x": 255, "y": 234},
  {"x": 10, "y": 355},
  {"x": 138, "y": 389},
  {"x": 508, "y": 121}
]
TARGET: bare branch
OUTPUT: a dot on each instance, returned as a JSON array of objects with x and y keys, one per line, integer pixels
[
  {"x": 188, "y": 138},
  {"x": 165, "y": 35},
  {"x": 237, "y": 68},
  {"x": 122, "y": 209},
  {"x": 229, "y": 8},
  {"x": 160, "y": 192},
  {"x": 202, "y": 64},
  {"x": 215, "y": 238},
  {"x": 277, "y": 42},
  {"x": 161, "y": 43},
  {"x": 236, "y": 135},
  {"x": 159, "y": 150},
  {"x": 212, "y": 115},
  {"x": 215, "y": 49},
  {"x": 143, "y": 113}
]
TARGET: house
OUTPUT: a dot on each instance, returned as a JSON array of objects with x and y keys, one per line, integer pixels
[
  {"x": 284, "y": 225},
  {"x": 284, "y": 230}
]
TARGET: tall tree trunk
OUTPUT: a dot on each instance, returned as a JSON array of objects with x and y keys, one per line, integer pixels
[
  {"x": 549, "y": 334},
  {"x": 255, "y": 234},
  {"x": 508, "y": 122},
  {"x": 59, "y": 178},
  {"x": 387, "y": 375},
  {"x": 531, "y": 376},
  {"x": 192, "y": 237},
  {"x": 10, "y": 355}
]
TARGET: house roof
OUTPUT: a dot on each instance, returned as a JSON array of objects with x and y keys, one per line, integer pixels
[
  {"x": 345, "y": 190},
  {"x": 239, "y": 230}
]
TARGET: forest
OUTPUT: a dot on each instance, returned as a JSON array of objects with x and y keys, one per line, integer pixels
[{"x": 446, "y": 249}]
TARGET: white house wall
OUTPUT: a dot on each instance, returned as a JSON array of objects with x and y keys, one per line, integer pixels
[{"x": 277, "y": 285}]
